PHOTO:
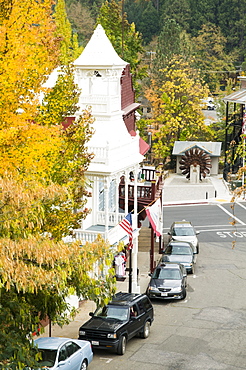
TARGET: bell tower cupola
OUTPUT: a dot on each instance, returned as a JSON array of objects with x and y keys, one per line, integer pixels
[{"x": 97, "y": 73}]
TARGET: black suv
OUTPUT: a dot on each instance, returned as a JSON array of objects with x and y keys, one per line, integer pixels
[{"x": 111, "y": 326}]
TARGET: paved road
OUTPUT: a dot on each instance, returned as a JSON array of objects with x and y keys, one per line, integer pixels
[
  {"x": 212, "y": 220},
  {"x": 207, "y": 330}
]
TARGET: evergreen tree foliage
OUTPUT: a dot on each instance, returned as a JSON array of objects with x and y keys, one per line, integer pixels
[
  {"x": 211, "y": 57},
  {"x": 179, "y": 10},
  {"x": 172, "y": 42},
  {"x": 168, "y": 45},
  {"x": 150, "y": 16},
  {"x": 145, "y": 16},
  {"x": 232, "y": 22}
]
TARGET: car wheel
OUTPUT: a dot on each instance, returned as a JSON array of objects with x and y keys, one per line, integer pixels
[
  {"x": 83, "y": 365},
  {"x": 122, "y": 346},
  {"x": 146, "y": 330},
  {"x": 183, "y": 295},
  {"x": 197, "y": 249},
  {"x": 192, "y": 270}
]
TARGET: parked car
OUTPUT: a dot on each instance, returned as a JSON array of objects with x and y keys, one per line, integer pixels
[
  {"x": 208, "y": 103},
  {"x": 180, "y": 252},
  {"x": 210, "y": 106},
  {"x": 184, "y": 231},
  {"x": 112, "y": 326},
  {"x": 168, "y": 281},
  {"x": 64, "y": 353}
]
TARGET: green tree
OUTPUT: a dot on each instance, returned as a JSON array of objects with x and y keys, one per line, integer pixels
[
  {"x": 123, "y": 36},
  {"x": 177, "y": 113},
  {"x": 202, "y": 12},
  {"x": 69, "y": 48},
  {"x": 145, "y": 16},
  {"x": 171, "y": 42},
  {"x": 179, "y": 10},
  {"x": 168, "y": 43},
  {"x": 149, "y": 25},
  {"x": 37, "y": 274},
  {"x": 231, "y": 19},
  {"x": 211, "y": 57}
]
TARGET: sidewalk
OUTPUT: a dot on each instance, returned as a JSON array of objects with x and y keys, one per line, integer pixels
[
  {"x": 177, "y": 190},
  {"x": 71, "y": 330}
]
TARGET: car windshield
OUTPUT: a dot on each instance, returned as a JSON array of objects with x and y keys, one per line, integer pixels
[
  {"x": 112, "y": 312},
  {"x": 48, "y": 357},
  {"x": 178, "y": 250},
  {"x": 169, "y": 274},
  {"x": 183, "y": 231}
]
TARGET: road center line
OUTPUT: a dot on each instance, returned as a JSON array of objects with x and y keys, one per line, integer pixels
[{"x": 231, "y": 214}]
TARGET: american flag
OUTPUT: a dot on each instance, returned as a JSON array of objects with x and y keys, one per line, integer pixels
[{"x": 126, "y": 224}]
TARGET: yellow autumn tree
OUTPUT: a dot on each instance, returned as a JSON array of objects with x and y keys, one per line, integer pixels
[
  {"x": 42, "y": 183},
  {"x": 177, "y": 111},
  {"x": 68, "y": 40}
]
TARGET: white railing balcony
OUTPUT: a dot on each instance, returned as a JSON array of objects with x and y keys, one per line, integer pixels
[
  {"x": 108, "y": 155},
  {"x": 101, "y": 104},
  {"x": 113, "y": 219},
  {"x": 113, "y": 236},
  {"x": 87, "y": 235}
]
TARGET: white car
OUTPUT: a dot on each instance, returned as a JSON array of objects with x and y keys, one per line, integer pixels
[
  {"x": 208, "y": 104},
  {"x": 64, "y": 353},
  {"x": 184, "y": 231}
]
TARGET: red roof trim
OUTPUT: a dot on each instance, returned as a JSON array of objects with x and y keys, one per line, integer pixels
[
  {"x": 143, "y": 146},
  {"x": 67, "y": 122}
]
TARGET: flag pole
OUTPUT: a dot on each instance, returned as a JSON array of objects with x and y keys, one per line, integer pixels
[
  {"x": 126, "y": 225},
  {"x": 130, "y": 271}
]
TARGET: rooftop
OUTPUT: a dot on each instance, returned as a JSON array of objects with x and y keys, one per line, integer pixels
[{"x": 99, "y": 52}]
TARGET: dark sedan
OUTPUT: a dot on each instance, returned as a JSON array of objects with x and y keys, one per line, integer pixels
[
  {"x": 168, "y": 281},
  {"x": 180, "y": 252}
]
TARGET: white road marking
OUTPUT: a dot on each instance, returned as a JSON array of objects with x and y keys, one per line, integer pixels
[
  {"x": 208, "y": 230},
  {"x": 231, "y": 215},
  {"x": 241, "y": 205},
  {"x": 108, "y": 360}
]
